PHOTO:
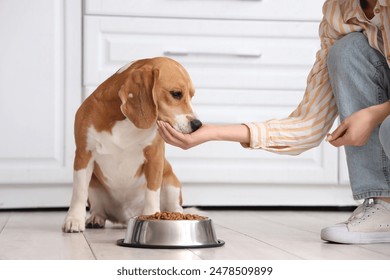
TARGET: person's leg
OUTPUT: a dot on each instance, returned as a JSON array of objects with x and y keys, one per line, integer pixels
[
  {"x": 384, "y": 136},
  {"x": 360, "y": 77}
]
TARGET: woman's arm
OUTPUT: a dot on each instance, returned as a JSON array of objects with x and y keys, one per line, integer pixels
[{"x": 235, "y": 132}]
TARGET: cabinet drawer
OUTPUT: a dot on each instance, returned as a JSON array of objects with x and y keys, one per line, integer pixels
[
  {"x": 216, "y": 9},
  {"x": 217, "y": 54}
]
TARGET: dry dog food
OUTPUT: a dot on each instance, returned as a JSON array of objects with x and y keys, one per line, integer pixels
[{"x": 171, "y": 216}]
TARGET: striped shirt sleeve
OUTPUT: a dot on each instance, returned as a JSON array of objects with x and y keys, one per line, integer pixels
[{"x": 308, "y": 124}]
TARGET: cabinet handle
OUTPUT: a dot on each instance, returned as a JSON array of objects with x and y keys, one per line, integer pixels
[{"x": 193, "y": 53}]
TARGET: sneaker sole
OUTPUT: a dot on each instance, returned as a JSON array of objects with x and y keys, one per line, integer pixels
[{"x": 347, "y": 237}]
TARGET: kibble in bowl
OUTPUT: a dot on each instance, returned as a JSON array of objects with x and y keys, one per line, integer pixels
[{"x": 171, "y": 216}]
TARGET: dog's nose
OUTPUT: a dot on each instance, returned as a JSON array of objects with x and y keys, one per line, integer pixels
[{"x": 195, "y": 124}]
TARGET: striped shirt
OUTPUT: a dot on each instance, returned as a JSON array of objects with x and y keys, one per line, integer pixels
[{"x": 309, "y": 123}]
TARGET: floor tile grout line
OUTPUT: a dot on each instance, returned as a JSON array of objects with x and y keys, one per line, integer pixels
[
  {"x": 196, "y": 254},
  {"x": 5, "y": 224},
  {"x": 90, "y": 247}
]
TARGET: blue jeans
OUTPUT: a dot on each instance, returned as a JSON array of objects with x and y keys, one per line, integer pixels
[{"x": 360, "y": 77}]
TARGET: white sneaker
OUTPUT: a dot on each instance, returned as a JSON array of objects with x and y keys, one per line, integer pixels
[{"x": 369, "y": 223}]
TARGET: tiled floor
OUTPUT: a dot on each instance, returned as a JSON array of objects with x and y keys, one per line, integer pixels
[{"x": 279, "y": 235}]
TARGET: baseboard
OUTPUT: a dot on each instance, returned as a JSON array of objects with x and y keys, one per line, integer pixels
[{"x": 220, "y": 195}]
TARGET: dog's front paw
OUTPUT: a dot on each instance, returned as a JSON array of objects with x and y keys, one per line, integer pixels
[
  {"x": 73, "y": 224},
  {"x": 95, "y": 221}
]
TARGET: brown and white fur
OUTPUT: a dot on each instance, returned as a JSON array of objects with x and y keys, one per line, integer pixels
[{"x": 120, "y": 167}]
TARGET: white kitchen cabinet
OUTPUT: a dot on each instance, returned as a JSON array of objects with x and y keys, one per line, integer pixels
[
  {"x": 249, "y": 61},
  {"x": 40, "y": 89}
]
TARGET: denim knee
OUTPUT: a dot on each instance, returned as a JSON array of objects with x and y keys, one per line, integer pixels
[
  {"x": 384, "y": 135},
  {"x": 345, "y": 51}
]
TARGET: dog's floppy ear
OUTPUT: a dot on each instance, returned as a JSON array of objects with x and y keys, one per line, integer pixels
[{"x": 138, "y": 97}]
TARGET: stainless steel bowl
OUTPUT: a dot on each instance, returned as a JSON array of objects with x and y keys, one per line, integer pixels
[{"x": 170, "y": 234}]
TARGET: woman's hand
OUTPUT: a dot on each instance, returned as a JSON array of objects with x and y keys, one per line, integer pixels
[
  {"x": 181, "y": 140},
  {"x": 356, "y": 129},
  {"x": 207, "y": 132}
]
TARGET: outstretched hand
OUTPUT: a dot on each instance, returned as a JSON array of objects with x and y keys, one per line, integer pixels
[{"x": 181, "y": 140}]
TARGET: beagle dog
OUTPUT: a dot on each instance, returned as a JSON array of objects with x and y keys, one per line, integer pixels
[{"x": 120, "y": 168}]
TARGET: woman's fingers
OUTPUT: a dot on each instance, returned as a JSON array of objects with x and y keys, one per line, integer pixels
[
  {"x": 336, "y": 138},
  {"x": 164, "y": 133},
  {"x": 170, "y": 135}
]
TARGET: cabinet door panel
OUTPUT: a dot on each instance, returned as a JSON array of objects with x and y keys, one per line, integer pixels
[{"x": 39, "y": 90}]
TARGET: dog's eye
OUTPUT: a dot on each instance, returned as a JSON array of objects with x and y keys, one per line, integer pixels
[{"x": 176, "y": 94}]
